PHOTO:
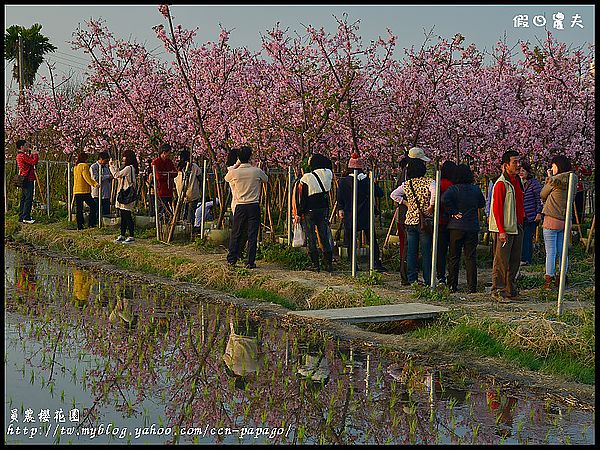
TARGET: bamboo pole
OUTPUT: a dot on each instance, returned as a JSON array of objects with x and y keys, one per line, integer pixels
[
  {"x": 289, "y": 206},
  {"x": 48, "y": 187},
  {"x": 203, "y": 199},
  {"x": 590, "y": 232},
  {"x": 70, "y": 197},
  {"x": 387, "y": 237},
  {"x": 156, "y": 203},
  {"x": 180, "y": 200},
  {"x": 565, "y": 253}
]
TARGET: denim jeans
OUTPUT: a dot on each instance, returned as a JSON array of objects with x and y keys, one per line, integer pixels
[
  {"x": 528, "y": 233},
  {"x": 417, "y": 239},
  {"x": 26, "y": 202},
  {"x": 317, "y": 218},
  {"x": 553, "y": 241}
]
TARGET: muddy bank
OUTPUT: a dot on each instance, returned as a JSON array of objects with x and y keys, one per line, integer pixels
[{"x": 418, "y": 350}]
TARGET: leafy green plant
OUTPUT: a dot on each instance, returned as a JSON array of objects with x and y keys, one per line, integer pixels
[
  {"x": 440, "y": 293},
  {"x": 371, "y": 279},
  {"x": 289, "y": 257}
]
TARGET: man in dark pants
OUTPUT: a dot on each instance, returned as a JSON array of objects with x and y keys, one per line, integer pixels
[
  {"x": 165, "y": 176},
  {"x": 26, "y": 166},
  {"x": 245, "y": 182},
  {"x": 101, "y": 174},
  {"x": 507, "y": 213},
  {"x": 344, "y": 199}
]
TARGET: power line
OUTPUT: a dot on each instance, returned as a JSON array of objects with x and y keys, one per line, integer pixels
[{"x": 71, "y": 55}]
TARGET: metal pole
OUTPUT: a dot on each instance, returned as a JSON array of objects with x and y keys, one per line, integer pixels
[
  {"x": 69, "y": 190},
  {"x": 48, "y": 188},
  {"x": 157, "y": 221},
  {"x": 436, "y": 226},
  {"x": 5, "y": 192},
  {"x": 565, "y": 252},
  {"x": 354, "y": 202},
  {"x": 99, "y": 180},
  {"x": 289, "y": 216},
  {"x": 203, "y": 199},
  {"x": 371, "y": 223}
]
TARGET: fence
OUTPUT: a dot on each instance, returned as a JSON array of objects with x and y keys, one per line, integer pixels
[{"x": 53, "y": 198}]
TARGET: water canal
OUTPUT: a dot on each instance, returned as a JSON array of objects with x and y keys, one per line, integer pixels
[{"x": 94, "y": 358}]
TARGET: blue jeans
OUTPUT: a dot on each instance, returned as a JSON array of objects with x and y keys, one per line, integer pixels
[
  {"x": 553, "y": 241},
  {"x": 417, "y": 239},
  {"x": 528, "y": 233}
]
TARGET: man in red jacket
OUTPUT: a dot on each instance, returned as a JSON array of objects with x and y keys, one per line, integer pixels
[
  {"x": 165, "y": 176},
  {"x": 507, "y": 214},
  {"x": 26, "y": 165}
]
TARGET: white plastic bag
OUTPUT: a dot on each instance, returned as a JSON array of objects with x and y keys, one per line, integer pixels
[{"x": 299, "y": 236}]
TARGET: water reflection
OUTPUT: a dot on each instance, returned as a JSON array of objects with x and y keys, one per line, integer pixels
[{"x": 141, "y": 357}]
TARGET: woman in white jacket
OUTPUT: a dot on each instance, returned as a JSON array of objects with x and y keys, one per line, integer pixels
[{"x": 125, "y": 178}]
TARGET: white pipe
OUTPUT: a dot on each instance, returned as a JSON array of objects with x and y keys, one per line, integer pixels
[
  {"x": 69, "y": 200},
  {"x": 48, "y": 188},
  {"x": 436, "y": 226},
  {"x": 289, "y": 216},
  {"x": 203, "y": 199},
  {"x": 157, "y": 221},
  {"x": 371, "y": 223},
  {"x": 565, "y": 252},
  {"x": 354, "y": 202},
  {"x": 99, "y": 195}
]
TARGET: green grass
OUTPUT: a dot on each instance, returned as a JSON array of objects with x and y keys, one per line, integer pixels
[
  {"x": 487, "y": 338},
  {"x": 264, "y": 294},
  {"x": 289, "y": 257}
]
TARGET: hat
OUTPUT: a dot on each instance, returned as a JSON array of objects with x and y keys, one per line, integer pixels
[
  {"x": 355, "y": 162},
  {"x": 417, "y": 153}
]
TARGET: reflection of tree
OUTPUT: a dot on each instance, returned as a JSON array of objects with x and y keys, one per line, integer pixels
[{"x": 176, "y": 352}]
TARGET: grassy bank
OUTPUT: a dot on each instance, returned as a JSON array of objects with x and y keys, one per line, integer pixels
[{"x": 538, "y": 341}]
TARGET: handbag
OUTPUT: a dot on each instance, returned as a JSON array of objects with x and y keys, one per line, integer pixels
[
  {"x": 299, "y": 236},
  {"x": 19, "y": 180},
  {"x": 129, "y": 195},
  {"x": 425, "y": 222}
]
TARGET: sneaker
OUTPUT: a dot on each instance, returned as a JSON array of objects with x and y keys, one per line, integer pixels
[
  {"x": 120, "y": 238},
  {"x": 28, "y": 221},
  {"x": 129, "y": 240},
  {"x": 523, "y": 263}
]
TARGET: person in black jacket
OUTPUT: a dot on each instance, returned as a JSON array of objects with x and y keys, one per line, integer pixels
[
  {"x": 461, "y": 202},
  {"x": 344, "y": 201},
  {"x": 312, "y": 204}
]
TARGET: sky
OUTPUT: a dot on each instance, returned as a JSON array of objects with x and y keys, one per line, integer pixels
[{"x": 483, "y": 25}]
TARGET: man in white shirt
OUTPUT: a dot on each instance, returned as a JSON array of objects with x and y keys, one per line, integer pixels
[{"x": 245, "y": 182}]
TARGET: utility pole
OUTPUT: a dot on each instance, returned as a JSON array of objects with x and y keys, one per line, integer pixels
[{"x": 20, "y": 66}]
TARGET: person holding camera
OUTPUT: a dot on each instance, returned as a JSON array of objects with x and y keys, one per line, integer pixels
[
  {"x": 26, "y": 165},
  {"x": 554, "y": 196}
]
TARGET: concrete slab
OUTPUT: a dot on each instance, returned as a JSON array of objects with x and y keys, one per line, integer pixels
[{"x": 381, "y": 313}]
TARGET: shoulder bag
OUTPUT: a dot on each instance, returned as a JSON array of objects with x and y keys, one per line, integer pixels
[
  {"x": 19, "y": 180},
  {"x": 425, "y": 222},
  {"x": 129, "y": 195}
]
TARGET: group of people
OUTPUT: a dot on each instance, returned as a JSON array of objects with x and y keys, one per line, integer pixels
[{"x": 516, "y": 204}]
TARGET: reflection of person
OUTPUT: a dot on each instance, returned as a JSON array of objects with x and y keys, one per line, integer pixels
[
  {"x": 26, "y": 281},
  {"x": 122, "y": 311},
  {"x": 242, "y": 353},
  {"x": 315, "y": 366},
  {"x": 82, "y": 282},
  {"x": 506, "y": 407}
]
